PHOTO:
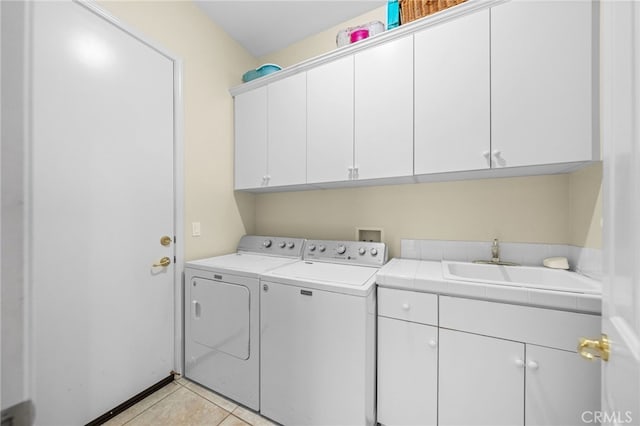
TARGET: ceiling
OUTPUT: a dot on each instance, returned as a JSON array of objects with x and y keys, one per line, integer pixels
[{"x": 265, "y": 26}]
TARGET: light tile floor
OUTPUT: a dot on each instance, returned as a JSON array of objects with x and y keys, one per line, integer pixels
[{"x": 182, "y": 402}]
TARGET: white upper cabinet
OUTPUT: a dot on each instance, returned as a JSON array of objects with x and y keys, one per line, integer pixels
[
  {"x": 251, "y": 139},
  {"x": 330, "y": 121},
  {"x": 479, "y": 92},
  {"x": 543, "y": 83},
  {"x": 384, "y": 110},
  {"x": 287, "y": 131},
  {"x": 452, "y": 96}
]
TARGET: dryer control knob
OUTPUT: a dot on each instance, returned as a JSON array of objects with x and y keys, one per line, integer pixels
[
  {"x": 282, "y": 244},
  {"x": 291, "y": 245},
  {"x": 312, "y": 247},
  {"x": 362, "y": 251},
  {"x": 321, "y": 248},
  {"x": 341, "y": 249},
  {"x": 374, "y": 252},
  {"x": 267, "y": 243}
]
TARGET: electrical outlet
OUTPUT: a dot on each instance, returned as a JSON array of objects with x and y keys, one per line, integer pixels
[{"x": 195, "y": 229}]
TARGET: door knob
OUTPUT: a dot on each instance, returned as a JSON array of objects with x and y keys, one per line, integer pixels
[
  {"x": 164, "y": 262},
  {"x": 165, "y": 240},
  {"x": 590, "y": 349}
]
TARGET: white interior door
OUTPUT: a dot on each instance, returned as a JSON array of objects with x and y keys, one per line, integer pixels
[
  {"x": 101, "y": 193},
  {"x": 621, "y": 188}
]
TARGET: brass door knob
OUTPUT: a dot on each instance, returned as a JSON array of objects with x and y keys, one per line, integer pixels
[
  {"x": 590, "y": 349},
  {"x": 164, "y": 262},
  {"x": 165, "y": 240}
]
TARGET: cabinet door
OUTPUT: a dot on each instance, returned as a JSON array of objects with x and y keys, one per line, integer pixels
[
  {"x": 384, "y": 110},
  {"x": 542, "y": 82},
  {"x": 560, "y": 387},
  {"x": 287, "y": 130},
  {"x": 251, "y": 139},
  {"x": 481, "y": 380},
  {"x": 330, "y": 121},
  {"x": 452, "y": 121},
  {"x": 407, "y": 373}
]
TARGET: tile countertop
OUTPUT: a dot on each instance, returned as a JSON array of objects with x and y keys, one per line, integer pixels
[{"x": 426, "y": 276}]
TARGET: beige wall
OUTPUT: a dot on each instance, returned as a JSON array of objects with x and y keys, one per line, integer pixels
[
  {"x": 562, "y": 209},
  {"x": 527, "y": 209},
  {"x": 585, "y": 207},
  {"x": 213, "y": 63}
]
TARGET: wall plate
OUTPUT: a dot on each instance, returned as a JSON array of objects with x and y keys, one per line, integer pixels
[{"x": 371, "y": 234}]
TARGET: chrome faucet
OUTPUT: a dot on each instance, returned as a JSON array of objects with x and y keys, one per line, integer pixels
[
  {"x": 495, "y": 256},
  {"x": 495, "y": 251}
]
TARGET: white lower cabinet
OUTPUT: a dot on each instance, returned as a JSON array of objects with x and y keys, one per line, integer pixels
[
  {"x": 481, "y": 380},
  {"x": 476, "y": 362},
  {"x": 407, "y": 373},
  {"x": 560, "y": 387}
]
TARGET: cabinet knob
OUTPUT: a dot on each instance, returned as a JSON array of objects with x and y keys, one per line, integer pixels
[
  {"x": 486, "y": 154},
  {"x": 406, "y": 306},
  {"x": 519, "y": 363},
  {"x": 532, "y": 365},
  {"x": 497, "y": 153},
  {"x": 433, "y": 343}
]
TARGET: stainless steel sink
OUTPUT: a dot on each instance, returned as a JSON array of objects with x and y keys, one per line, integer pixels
[{"x": 521, "y": 276}]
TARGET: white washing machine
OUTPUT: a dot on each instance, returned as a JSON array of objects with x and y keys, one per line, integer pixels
[
  {"x": 318, "y": 336},
  {"x": 222, "y": 315}
]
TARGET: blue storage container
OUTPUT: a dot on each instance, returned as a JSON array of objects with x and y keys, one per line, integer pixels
[{"x": 261, "y": 71}]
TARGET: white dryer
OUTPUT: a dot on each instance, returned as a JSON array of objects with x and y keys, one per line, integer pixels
[
  {"x": 222, "y": 315},
  {"x": 318, "y": 336}
]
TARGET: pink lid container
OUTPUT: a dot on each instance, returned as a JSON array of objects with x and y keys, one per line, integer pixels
[{"x": 360, "y": 34}]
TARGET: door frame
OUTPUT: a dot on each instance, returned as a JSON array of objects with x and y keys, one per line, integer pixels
[{"x": 178, "y": 185}]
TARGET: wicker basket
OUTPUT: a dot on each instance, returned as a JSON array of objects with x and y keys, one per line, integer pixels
[{"x": 410, "y": 10}]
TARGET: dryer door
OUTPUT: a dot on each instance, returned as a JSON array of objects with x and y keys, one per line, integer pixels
[{"x": 220, "y": 316}]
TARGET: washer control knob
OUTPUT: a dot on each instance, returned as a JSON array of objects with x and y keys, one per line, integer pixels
[
  {"x": 374, "y": 252},
  {"x": 282, "y": 244},
  {"x": 362, "y": 250},
  {"x": 321, "y": 248},
  {"x": 341, "y": 249},
  {"x": 291, "y": 245},
  {"x": 266, "y": 243},
  {"x": 312, "y": 247}
]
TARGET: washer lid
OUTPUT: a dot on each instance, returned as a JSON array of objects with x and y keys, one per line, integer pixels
[
  {"x": 348, "y": 279},
  {"x": 245, "y": 263}
]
